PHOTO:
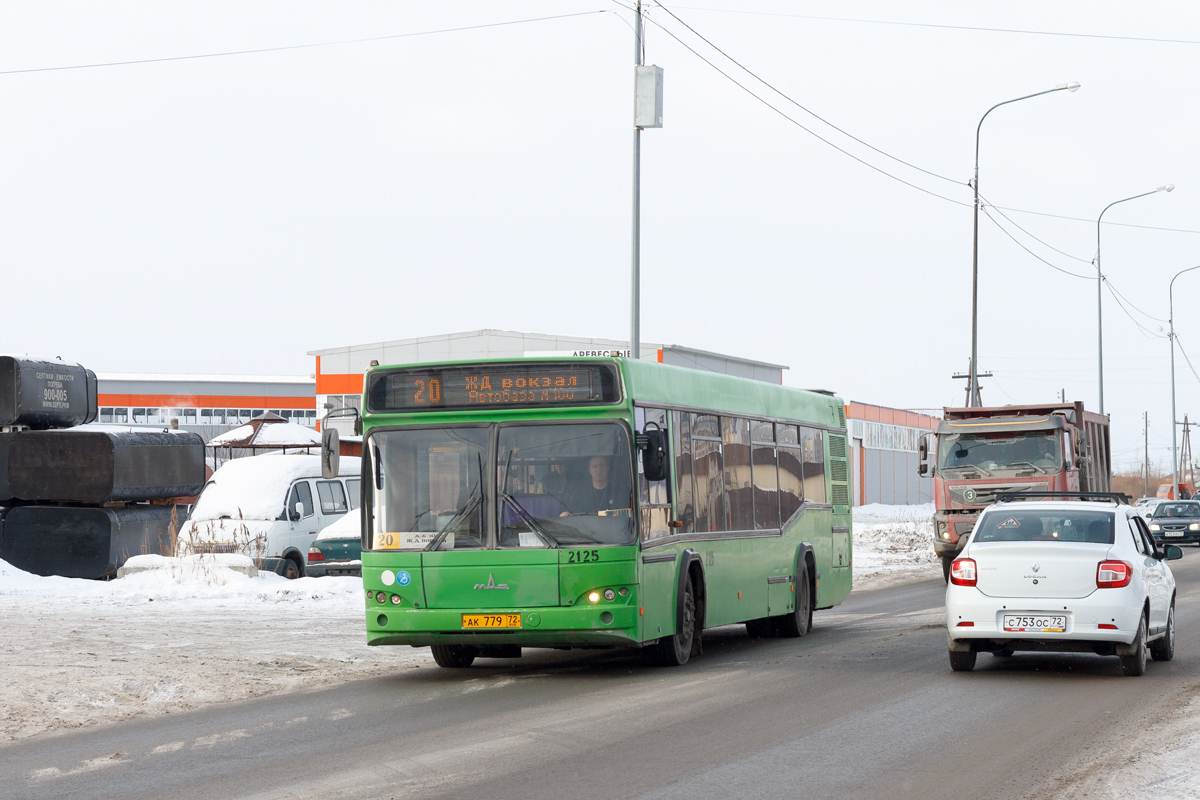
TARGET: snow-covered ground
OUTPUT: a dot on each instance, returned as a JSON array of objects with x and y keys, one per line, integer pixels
[
  {"x": 893, "y": 544},
  {"x": 79, "y": 653}
]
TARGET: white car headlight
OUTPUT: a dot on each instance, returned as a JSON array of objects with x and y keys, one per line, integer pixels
[
  {"x": 1195, "y": 526},
  {"x": 1154, "y": 526}
]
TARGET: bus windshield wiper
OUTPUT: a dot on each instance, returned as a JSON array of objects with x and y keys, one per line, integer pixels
[
  {"x": 458, "y": 515},
  {"x": 550, "y": 541}
]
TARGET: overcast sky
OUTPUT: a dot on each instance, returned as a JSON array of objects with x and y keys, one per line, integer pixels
[{"x": 230, "y": 214}]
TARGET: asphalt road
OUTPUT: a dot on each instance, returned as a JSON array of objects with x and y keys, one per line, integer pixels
[{"x": 865, "y": 706}]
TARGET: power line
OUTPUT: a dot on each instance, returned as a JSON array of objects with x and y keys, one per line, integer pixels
[
  {"x": 1021, "y": 244},
  {"x": 1135, "y": 308},
  {"x": 1149, "y": 334},
  {"x": 300, "y": 46},
  {"x": 1092, "y": 221},
  {"x": 948, "y": 27},
  {"x": 796, "y": 122},
  {"x": 798, "y": 105},
  {"x": 1185, "y": 358},
  {"x": 1031, "y": 236}
]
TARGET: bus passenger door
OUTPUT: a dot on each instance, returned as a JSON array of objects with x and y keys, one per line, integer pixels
[{"x": 659, "y": 564}]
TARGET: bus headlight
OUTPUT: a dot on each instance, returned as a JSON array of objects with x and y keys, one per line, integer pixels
[
  {"x": 609, "y": 594},
  {"x": 593, "y": 596}
]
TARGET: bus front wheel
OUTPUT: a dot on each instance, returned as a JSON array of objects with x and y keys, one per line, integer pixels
[
  {"x": 453, "y": 656},
  {"x": 674, "y": 650}
]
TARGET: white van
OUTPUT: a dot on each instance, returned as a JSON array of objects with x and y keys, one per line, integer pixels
[{"x": 269, "y": 507}]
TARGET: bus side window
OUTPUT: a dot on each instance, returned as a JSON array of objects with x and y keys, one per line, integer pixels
[
  {"x": 681, "y": 448},
  {"x": 791, "y": 471},
  {"x": 813, "y": 446},
  {"x": 653, "y": 497}
]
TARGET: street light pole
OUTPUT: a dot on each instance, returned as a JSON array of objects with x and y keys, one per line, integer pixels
[
  {"x": 973, "y": 400},
  {"x": 1170, "y": 187},
  {"x": 635, "y": 310},
  {"x": 1171, "y": 323}
]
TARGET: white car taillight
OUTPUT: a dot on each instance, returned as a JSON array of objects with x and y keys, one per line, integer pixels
[
  {"x": 1113, "y": 574},
  {"x": 962, "y": 572}
]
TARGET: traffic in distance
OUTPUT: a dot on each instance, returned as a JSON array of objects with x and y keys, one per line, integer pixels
[{"x": 595, "y": 503}]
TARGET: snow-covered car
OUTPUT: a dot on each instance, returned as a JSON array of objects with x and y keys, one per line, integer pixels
[
  {"x": 337, "y": 550},
  {"x": 1176, "y": 522},
  {"x": 271, "y": 508},
  {"x": 1062, "y": 576}
]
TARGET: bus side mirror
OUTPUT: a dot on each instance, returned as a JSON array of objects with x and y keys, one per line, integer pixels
[
  {"x": 331, "y": 450},
  {"x": 653, "y": 444}
]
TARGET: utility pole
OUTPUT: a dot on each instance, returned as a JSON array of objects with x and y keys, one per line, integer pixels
[
  {"x": 1146, "y": 459},
  {"x": 972, "y": 378},
  {"x": 635, "y": 310},
  {"x": 647, "y": 113}
]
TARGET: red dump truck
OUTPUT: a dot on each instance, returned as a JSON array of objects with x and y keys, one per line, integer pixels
[{"x": 978, "y": 452}]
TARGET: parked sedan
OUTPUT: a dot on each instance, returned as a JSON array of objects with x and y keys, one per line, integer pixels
[
  {"x": 1176, "y": 521},
  {"x": 337, "y": 550},
  {"x": 1062, "y": 576}
]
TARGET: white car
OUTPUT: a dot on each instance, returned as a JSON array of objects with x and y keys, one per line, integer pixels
[{"x": 1062, "y": 576}]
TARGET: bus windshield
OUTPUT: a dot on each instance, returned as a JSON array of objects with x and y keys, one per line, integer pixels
[
  {"x": 555, "y": 485},
  {"x": 428, "y": 491},
  {"x": 1039, "y": 451},
  {"x": 564, "y": 485}
]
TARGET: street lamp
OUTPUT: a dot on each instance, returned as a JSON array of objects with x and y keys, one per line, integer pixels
[
  {"x": 1170, "y": 187},
  {"x": 1171, "y": 322},
  {"x": 973, "y": 376}
]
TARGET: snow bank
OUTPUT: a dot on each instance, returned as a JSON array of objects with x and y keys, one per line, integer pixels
[
  {"x": 893, "y": 544},
  {"x": 201, "y": 579}
]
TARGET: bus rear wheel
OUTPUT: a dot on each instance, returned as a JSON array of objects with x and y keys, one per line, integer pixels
[
  {"x": 799, "y": 622},
  {"x": 453, "y": 656},
  {"x": 676, "y": 649}
]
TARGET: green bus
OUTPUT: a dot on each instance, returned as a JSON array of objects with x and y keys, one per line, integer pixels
[{"x": 596, "y": 503}]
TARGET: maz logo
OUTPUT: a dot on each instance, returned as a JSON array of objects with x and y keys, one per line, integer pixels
[{"x": 491, "y": 584}]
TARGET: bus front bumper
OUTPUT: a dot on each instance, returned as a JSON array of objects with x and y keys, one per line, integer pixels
[{"x": 575, "y": 626}]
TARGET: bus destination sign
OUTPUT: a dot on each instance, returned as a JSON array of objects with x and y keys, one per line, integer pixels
[{"x": 493, "y": 386}]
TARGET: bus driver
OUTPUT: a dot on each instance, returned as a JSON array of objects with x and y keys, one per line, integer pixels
[{"x": 599, "y": 494}]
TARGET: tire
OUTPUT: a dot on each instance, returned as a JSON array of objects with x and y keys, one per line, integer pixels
[
  {"x": 946, "y": 562},
  {"x": 676, "y": 649},
  {"x": 760, "y": 628},
  {"x": 1164, "y": 648},
  {"x": 453, "y": 656},
  {"x": 1133, "y": 666},
  {"x": 799, "y": 622},
  {"x": 1003, "y": 653},
  {"x": 963, "y": 661},
  {"x": 291, "y": 570}
]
